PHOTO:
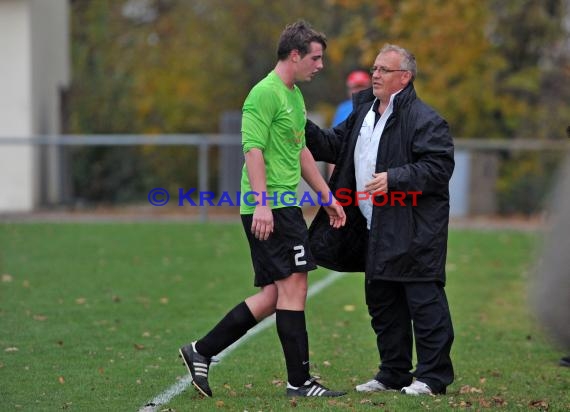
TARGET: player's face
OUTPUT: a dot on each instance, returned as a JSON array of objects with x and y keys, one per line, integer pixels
[{"x": 312, "y": 63}]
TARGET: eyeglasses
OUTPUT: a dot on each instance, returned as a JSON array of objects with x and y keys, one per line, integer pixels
[{"x": 385, "y": 70}]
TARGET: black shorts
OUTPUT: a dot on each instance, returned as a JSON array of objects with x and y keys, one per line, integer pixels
[{"x": 285, "y": 252}]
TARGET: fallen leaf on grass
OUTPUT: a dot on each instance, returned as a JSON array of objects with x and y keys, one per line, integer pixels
[
  {"x": 138, "y": 346},
  {"x": 220, "y": 404},
  {"x": 484, "y": 403},
  {"x": 499, "y": 401},
  {"x": 11, "y": 349},
  {"x": 61, "y": 380},
  {"x": 164, "y": 301},
  {"x": 40, "y": 318},
  {"x": 349, "y": 308},
  {"x": 469, "y": 389},
  {"x": 80, "y": 301},
  {"x": 249, "y": 385},
  {"x": 277, "y": 382},
  {"x": 6, "y": 278},
  {"x": 293, "y": 403},
  {"x": 541, "y": 404},
  {"x": 326, "y": 363}
]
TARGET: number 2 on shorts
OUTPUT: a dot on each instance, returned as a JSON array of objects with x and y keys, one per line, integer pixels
[{"x": 299, "y": 255}]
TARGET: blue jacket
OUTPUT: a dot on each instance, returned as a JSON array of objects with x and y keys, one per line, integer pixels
[
  {"x": 406, "y": 243},
  {"x": 342, "y": 111}
]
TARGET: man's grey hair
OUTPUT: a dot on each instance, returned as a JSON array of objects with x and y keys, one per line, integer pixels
[{"x": 408, "y": 59}]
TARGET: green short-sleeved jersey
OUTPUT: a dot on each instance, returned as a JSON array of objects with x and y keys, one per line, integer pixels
[{"x": 273, "y": 120}]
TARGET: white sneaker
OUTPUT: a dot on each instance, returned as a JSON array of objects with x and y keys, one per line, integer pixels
[
  {"x": 417, "y": 388},
  {"x": 372, "y": 386}
]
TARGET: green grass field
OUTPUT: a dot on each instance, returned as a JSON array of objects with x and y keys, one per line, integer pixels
[{"x": 92, "y": 315}]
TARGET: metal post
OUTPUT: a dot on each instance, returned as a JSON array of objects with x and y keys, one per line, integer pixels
[{"x": 203, "y": 175}]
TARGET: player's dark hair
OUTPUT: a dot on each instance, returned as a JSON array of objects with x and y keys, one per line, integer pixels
[{"x": 299, "y": 36}]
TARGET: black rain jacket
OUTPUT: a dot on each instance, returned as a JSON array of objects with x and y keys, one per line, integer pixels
[{"x": 405, "y": 243}]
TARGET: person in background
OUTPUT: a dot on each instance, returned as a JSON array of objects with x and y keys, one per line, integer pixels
[
  {"x": 356, "y": 81},
  {"x": 550, "y": 291}
]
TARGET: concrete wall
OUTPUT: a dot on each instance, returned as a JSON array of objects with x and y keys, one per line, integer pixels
[
  {"x": 17, "y": 182},
  {"x": 459, "y": 185},
  {"x": 482, "y": 195},
  {"x": 472, "y": 189},
  {"x": 34, "y": 67}
]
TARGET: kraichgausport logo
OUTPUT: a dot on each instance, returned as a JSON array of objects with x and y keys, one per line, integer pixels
[{"x": 345, "y": 197}]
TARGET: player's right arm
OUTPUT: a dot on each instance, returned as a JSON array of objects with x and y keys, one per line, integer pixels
[{"x": 262, "y": 223}]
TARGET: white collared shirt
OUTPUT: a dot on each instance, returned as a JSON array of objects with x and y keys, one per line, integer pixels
[{"x": 366, "y": 152}]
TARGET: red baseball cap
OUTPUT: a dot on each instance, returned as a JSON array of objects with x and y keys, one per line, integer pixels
[{"x": 358, "y": 78}]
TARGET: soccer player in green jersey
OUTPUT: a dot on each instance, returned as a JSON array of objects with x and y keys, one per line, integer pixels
[{"x": 273, "y": 140}]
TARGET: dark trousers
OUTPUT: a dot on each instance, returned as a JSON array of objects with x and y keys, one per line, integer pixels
[{"x": 400, "y": 311}]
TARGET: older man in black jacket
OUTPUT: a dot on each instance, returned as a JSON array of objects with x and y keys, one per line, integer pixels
[{"x": 394, "y": 160}]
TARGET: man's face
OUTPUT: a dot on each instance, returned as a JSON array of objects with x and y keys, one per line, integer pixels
[
  {"x": 310, "y": 64},
  {"x": 384, "y": 84}
]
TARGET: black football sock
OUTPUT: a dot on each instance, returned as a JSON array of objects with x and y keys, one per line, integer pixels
[
  {"x": 292, "y": 332},
  {"x": 232, "y": 327}
]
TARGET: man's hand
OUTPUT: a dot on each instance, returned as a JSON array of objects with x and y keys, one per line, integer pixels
[
  {"x": 262, "y": 223},
  {"x": 379, "y": 183}
]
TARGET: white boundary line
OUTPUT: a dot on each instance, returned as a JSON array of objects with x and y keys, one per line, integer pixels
[{"x": 182, "y": 384}]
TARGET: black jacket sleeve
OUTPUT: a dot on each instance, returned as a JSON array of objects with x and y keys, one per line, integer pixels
[
  {"x": 433, "y": 163},
  {"x": 324, "y": 144}
]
